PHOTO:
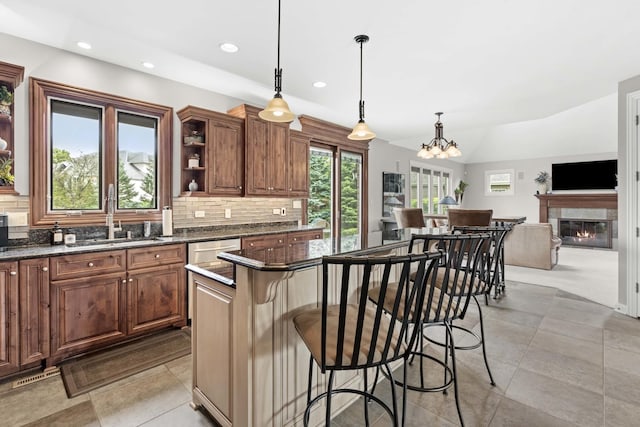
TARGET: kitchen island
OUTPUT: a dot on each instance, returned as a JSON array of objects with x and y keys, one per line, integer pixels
[{"x": 250, "y": 368}]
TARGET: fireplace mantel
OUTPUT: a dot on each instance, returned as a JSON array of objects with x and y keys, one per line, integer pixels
[{"x": 600, "y": 200}]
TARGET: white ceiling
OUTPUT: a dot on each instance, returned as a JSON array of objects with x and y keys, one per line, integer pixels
[{"x": 483, "y": 63}]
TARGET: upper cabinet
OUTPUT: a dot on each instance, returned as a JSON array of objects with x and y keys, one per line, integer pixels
[
  {"x": 212, "y": 161},
  {"x": 299, "y": 164},
  {"x": 10, "y": 78},
  {"x": 271, "y": 152}
]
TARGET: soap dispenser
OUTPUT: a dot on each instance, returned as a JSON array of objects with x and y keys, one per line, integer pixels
[{"x": 57, "y": 238}]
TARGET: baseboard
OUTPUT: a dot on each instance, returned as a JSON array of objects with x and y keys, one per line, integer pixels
[{"x": 621, "y": 308}]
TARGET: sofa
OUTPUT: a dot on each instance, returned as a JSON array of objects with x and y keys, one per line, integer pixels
[{"x": 532, "y": 245}]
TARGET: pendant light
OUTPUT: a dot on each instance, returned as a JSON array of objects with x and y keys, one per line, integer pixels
[
  {"x": 277, "y": 110},
  {"x": 361, "y": 131}
]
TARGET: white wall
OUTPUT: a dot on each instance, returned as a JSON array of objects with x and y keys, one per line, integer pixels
[
  {"x": 523, "y": 202},
  {"x": 385, "y": 157}
]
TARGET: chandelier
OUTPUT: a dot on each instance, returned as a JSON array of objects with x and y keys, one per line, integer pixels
[{"x": 439, "y": 147}]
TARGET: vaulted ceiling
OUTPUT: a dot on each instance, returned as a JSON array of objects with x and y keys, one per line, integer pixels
[{"x": 484, "y": 63}]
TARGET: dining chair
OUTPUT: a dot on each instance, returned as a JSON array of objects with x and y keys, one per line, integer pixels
[
  {"x": 409, "y": 217},
  {"x": 469, "y": 217},
  {"x": 347, "y": 332}
]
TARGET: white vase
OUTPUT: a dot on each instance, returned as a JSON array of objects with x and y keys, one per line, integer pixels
[
  {"x": 3, "y": 144},
  {"x": 193, "y": 185},
  {"x": 542, "y": 188}
]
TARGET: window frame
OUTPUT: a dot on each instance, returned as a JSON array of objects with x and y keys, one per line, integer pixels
[
  {"x": 444, "y": 173},
  {"x": 487, "y": 182},
  {"x": 39, "y": 153}
]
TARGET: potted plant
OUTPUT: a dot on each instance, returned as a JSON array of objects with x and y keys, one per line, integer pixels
[
  {"x": 6, "y": 99},
  {"x": 543, "y": 180},
  {"x": 459, "y": 190},
  {"x": 6, "y": 177}
]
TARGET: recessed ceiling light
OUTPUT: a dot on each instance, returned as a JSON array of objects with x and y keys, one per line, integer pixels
[
  {"x": 228, "y": 47},
  {"x": 319, "y": 84},
  {"x": 84, "y": 45},
  {"x": 147, "y": 65}
]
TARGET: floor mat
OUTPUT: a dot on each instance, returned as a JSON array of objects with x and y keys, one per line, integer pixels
[{"x": 92, "y": 371}]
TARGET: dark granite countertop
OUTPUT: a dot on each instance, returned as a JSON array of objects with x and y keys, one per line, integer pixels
[{"x": 181, "y": 236}]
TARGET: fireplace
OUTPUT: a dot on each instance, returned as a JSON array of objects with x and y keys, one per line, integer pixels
[
  {"x": 595, "y": 208},
  {"x": 595, "y": 233}
]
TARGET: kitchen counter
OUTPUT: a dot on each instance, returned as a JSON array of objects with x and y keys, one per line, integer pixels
[
  {"x": 249, "y": 365},
  {"x": 185, "y": 236}
]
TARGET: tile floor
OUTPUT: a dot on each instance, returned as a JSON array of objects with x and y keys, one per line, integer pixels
[{"x": 558, "y": 360}]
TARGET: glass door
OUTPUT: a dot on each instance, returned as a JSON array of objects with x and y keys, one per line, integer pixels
[
  {"x": 320, "y": 202},
  {"x": 350, "y": 201}
]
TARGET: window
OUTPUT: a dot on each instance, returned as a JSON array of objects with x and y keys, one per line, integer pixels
[
  {"x": 428, "y": 186},
  {"x": 85, "y": 141},
  {"x": 499, "y": 182}
]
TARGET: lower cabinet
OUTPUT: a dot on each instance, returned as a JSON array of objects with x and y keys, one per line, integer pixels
[
  {"x": 156, "y": 297},
  {"x": 33, "y": 278},
  {"x": 9, "y": 335},
  {"x": 100, "y": 298},
  {"x": 86, "y": 313}
]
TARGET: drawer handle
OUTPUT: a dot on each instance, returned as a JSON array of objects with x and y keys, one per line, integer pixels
[
  {"x": 13, "y": 273},
  {"x": 45, "y": 268},
  {"x": 157, "y": 256},
  {"x": 90, "y": 264},
  {"x": 124, "y": 281},
  {"x": 130, "y": 280}
]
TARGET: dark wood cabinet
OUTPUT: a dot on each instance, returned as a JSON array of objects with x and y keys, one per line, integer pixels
[
  {"x": 298, "y": 243},
  {"x": 212, "y": 153},
  {"x": 101, "y": 298},
  {"x": 271, "y": 248},
  {"x": 33, "y": 279},
  {"x": 87, "y": 313},
  {"x": 299, "y": 164},
  {"x": 267, "y": 154},
  {"x": 280, "y": 248},
  {"x": 156, "y": 288},
  {"x": 9, "y": 361}
]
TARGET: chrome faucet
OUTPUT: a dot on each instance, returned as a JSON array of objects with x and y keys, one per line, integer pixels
[{"x": 110, "y": 210}]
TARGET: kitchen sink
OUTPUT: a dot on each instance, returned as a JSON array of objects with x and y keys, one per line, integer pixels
[{"x": 114, "y": 242}]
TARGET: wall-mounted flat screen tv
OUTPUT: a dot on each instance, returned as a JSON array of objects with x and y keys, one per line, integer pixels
[{"x": 595, "y": 175}]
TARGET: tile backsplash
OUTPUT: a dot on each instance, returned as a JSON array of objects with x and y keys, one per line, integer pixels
[{"x": 188, "y": 212}]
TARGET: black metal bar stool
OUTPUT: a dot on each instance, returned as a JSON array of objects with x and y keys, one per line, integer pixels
[
  {"x": 346, "y": 332},
  {"x": 442, "y": 305}
]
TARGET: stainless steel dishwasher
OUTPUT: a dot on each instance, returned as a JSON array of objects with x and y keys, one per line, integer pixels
[{"x": 205, "y": 255}]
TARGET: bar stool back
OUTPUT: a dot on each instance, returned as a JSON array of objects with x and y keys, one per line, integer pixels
[{"x": 347, "y": 333}]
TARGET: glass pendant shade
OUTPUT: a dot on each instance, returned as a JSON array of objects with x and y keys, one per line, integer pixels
[
  {"x": 361, "y": 132},
  {"x": 277, "y": 111}
]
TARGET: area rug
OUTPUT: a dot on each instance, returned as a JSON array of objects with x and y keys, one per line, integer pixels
[{"x": 92, "y": 371}]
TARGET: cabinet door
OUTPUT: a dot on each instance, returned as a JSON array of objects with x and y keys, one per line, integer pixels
[
  {"x": 298, "y": 243},
  {"x": 34, "y": 310},
  {"x": 278, "y": 154},
  {"x": 298, "y": 165},
  {"x": 257, "y": 157},
  {"x": 8, "y": 318},
  {"x": 225, "y": 153},
  {"x": 87, "y": 312},
  {"x": 156, "y": 298}
]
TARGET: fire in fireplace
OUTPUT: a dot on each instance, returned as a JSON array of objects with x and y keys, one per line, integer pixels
[{"x": 585, "y": 232}]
